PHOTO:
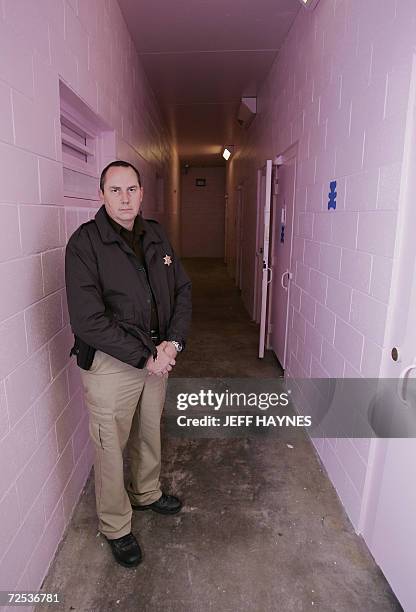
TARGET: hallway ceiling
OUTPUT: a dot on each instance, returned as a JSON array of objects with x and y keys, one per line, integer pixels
[{"x": 201, "y": 57}]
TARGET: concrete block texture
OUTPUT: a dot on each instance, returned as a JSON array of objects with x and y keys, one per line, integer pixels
[
  {"x": 345, "y": 67},
  {"x": 44, "y": 452}
]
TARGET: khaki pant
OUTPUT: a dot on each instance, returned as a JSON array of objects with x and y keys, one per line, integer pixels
[{"x": 125, "y": 405}]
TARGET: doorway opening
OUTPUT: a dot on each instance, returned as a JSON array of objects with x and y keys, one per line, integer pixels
[{"x": 273, "y": 275}]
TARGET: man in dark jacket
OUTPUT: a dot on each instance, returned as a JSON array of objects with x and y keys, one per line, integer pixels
[{"x": 129, "y": 302}]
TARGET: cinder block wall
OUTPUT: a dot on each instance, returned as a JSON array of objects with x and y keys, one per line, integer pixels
[
  {"x": 340, "y": 88},
  {"x": 45, "y": 456}
]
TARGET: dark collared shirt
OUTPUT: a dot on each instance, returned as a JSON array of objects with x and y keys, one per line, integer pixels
[{"x": 133, "y": 239}]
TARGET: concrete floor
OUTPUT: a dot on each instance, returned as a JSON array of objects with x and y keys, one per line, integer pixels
[{"x": 261, "y": 529}]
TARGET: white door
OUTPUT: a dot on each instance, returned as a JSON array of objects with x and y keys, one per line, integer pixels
[
  {"x": 265, "y": 266},
  {"x": 389, "y": 514},
  {"x": 258, "y": 264},
  {"x": 391, "y": 531},
  {"x": 281, "y": 253}
]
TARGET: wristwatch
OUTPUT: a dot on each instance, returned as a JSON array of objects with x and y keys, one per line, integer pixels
[{"x": 178, "y": 346}]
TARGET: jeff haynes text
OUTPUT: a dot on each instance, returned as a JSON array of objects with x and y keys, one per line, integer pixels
[{"x": 245, "y": 420}]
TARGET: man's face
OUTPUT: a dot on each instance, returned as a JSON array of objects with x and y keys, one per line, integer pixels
[{"x": 122, "y": 195}]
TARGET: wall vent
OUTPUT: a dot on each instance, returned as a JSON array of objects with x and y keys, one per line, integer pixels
[{"x": 87, "y": 146}]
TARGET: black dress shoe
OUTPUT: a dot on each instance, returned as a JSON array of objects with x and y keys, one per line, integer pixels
[
  {"x": 126, "y": 550},
  {"x": 166, "y": 504}
]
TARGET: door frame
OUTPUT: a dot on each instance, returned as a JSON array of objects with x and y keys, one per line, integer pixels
[
  {"x": 258, "y": 253},
  {"x": 288, "y": 154},
  {"x": 265, "y": 280}
]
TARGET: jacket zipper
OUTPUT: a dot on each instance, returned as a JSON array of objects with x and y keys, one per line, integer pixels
[{"x": 142, "y": 269}]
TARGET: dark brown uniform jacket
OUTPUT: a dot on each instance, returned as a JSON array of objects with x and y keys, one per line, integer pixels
[{"x": 108, "y": 292}]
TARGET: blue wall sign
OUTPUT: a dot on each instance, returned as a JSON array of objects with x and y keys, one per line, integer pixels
[{"x": 332, "y": 202}]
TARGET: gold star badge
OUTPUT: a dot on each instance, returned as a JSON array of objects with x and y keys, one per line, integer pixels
[{"x": 167, "y": 260}]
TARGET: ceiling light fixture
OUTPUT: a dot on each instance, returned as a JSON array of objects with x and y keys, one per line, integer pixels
[
  {"x": 228, "y": 150},
  {"x": 309, "y": 4}
]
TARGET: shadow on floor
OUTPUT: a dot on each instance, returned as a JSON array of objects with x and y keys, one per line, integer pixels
[{"x": 261, "y": 529}]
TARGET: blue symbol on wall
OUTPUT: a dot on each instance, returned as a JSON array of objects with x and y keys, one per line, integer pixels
[
  {"x": 332, "y": 202},
  {"x": 282, "y": 233}
]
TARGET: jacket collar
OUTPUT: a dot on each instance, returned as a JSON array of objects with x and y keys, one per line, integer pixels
[
  {"x": 137, "y": 229},
  {"x": 108, "y": 233}
]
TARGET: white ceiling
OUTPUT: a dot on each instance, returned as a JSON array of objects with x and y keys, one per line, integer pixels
[{"x": 201, "y": 57}]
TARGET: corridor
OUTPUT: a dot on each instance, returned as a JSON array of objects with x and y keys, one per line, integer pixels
[
  {"x": 271, "y": 146},
  {"x": 261, "y": 529}
]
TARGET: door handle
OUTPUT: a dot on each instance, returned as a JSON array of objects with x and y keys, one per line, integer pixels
[
  {"x": 282, "y": 280},
  {"x": 271, "y": 275},
  {"x": 402, "y": 379}
]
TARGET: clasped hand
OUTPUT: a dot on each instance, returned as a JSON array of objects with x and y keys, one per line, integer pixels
[{"x": 165, "y": 360}]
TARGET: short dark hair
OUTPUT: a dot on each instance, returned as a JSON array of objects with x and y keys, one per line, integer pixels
[{"x": 115, "y": 164}]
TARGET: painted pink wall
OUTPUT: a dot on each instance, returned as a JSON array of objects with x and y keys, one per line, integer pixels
[
  {"x": 339, "y": 87},
  {"x": 45, "y": 456},
  {"x": 202, "y": 213}
]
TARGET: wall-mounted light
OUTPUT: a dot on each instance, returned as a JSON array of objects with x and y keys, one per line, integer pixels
[
  {"x": 309, "y": 4},
  {"x": 228, "y": 150}
]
